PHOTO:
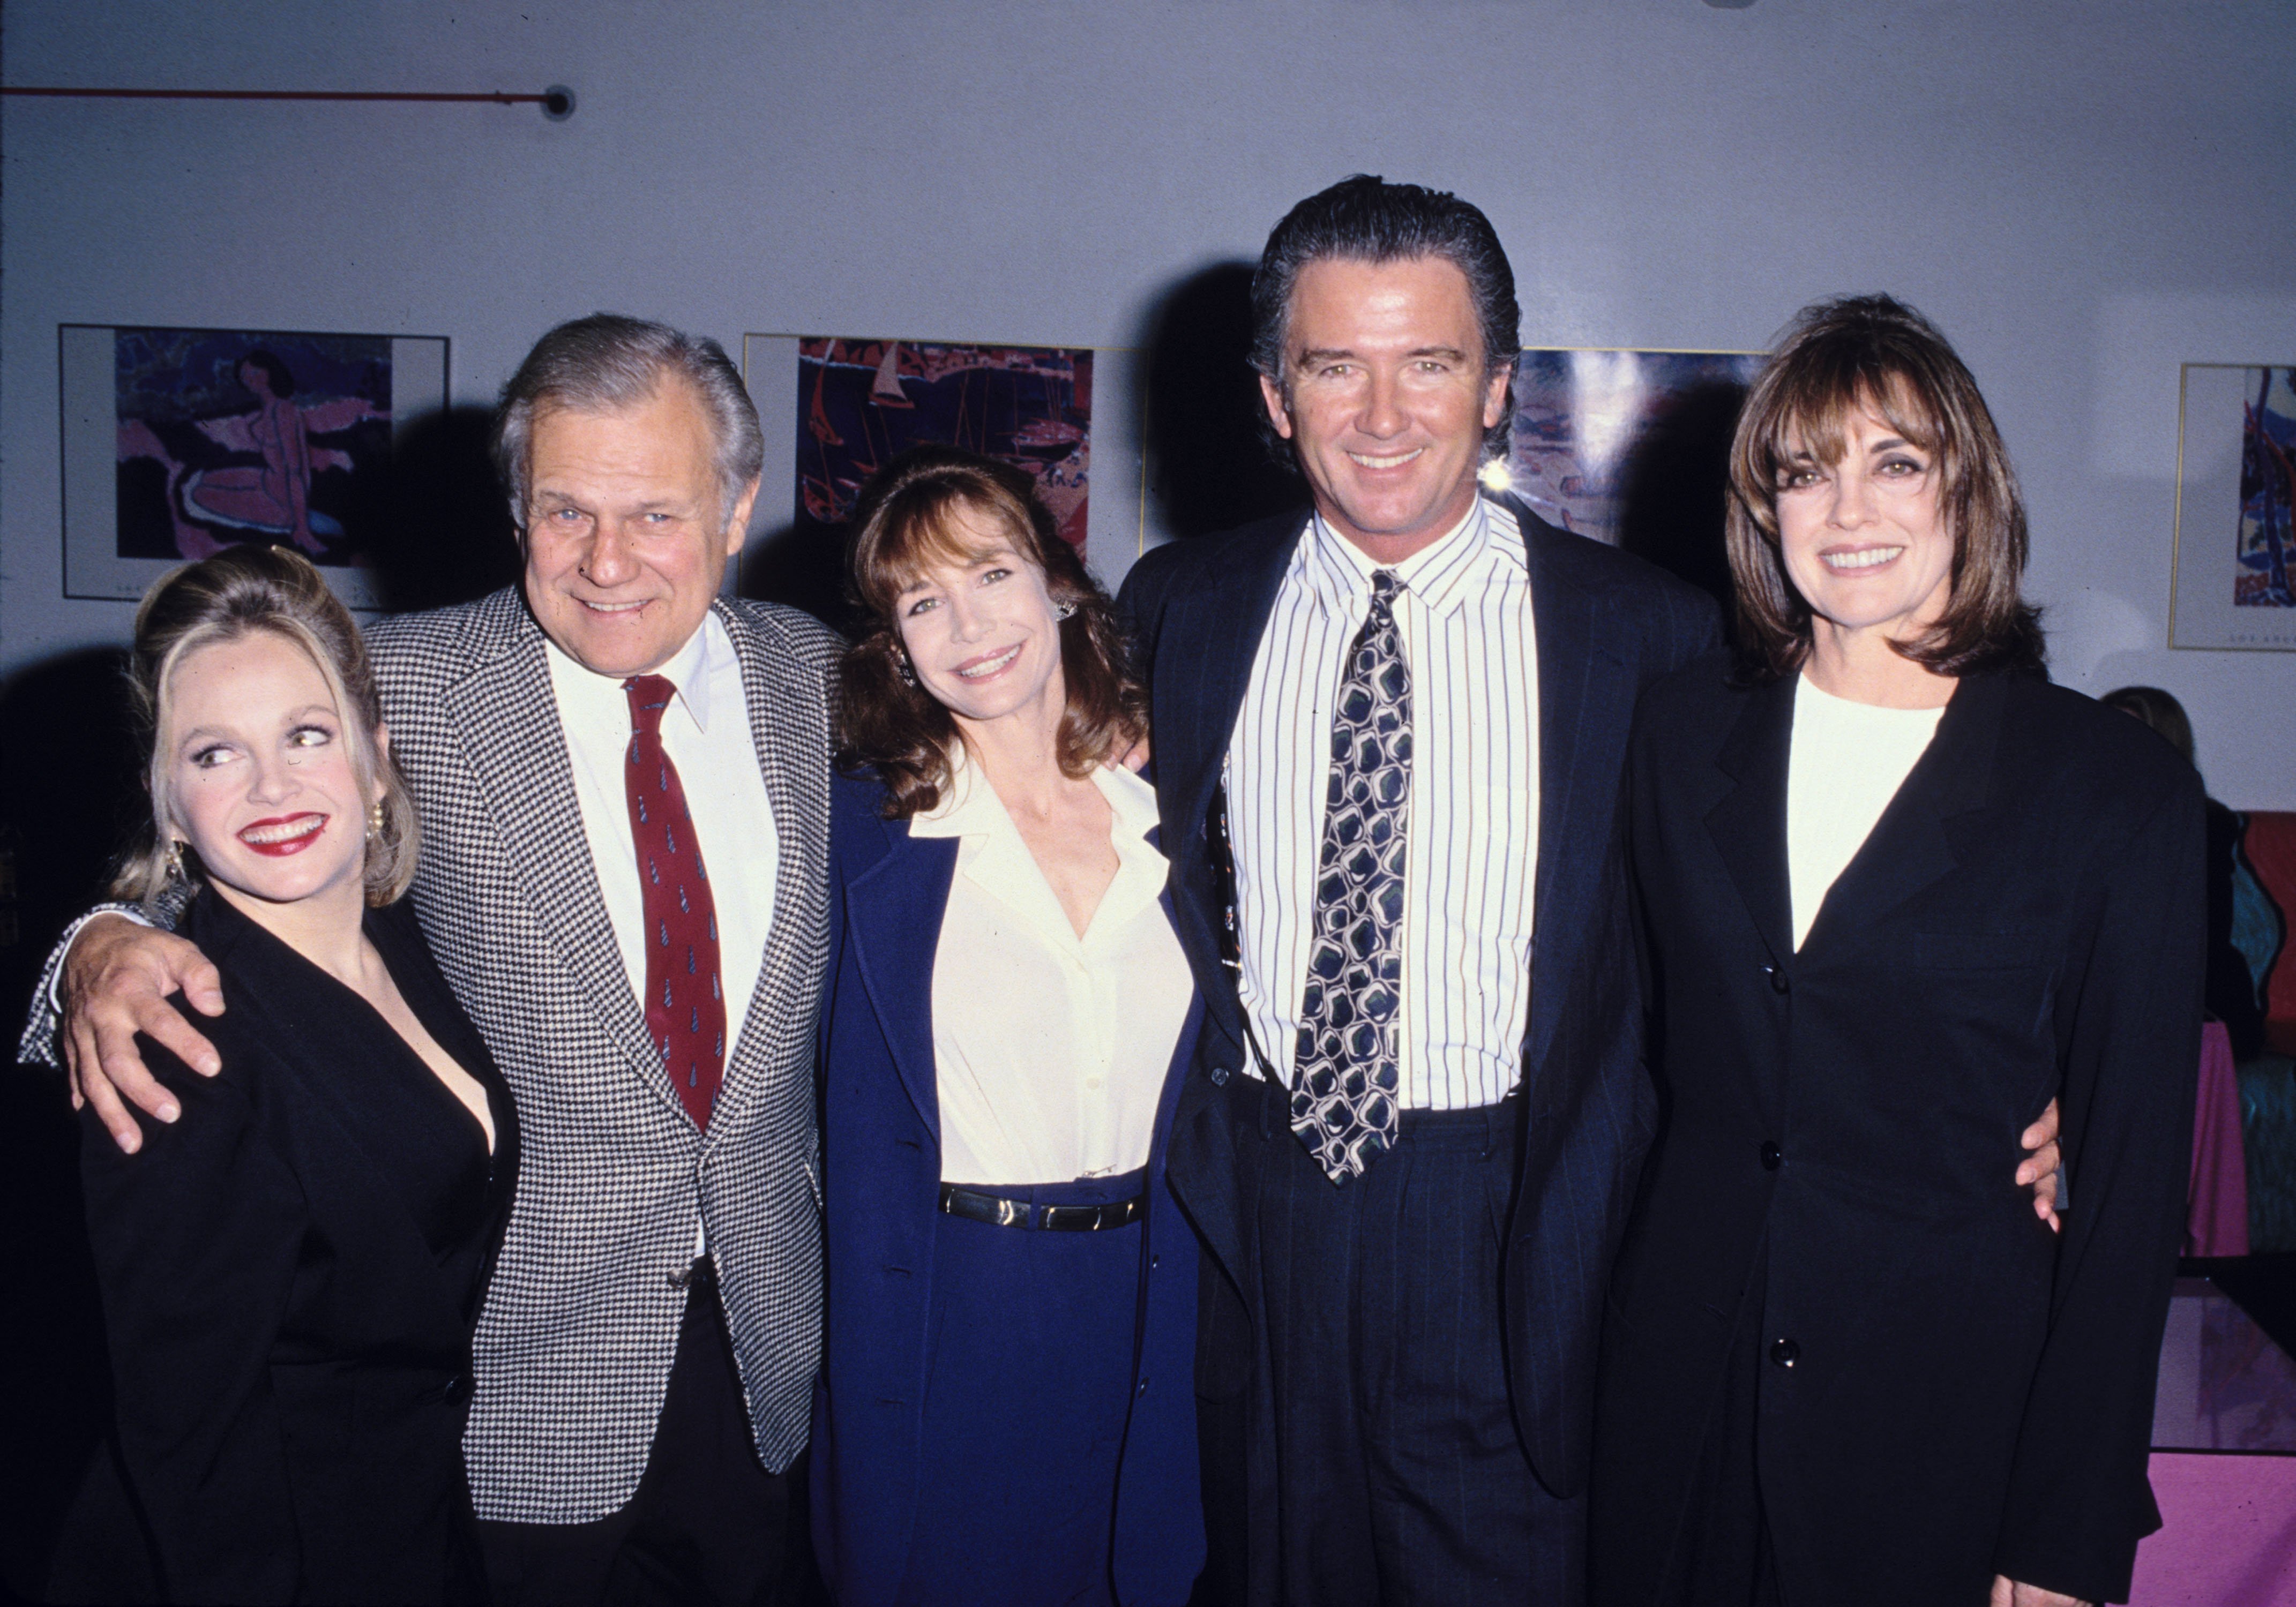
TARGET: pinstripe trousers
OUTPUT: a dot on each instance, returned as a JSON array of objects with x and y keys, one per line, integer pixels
[{"x": 1400, "y": 1477}]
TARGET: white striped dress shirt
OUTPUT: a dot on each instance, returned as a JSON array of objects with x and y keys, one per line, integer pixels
[{"x": 1472, "y": 851}]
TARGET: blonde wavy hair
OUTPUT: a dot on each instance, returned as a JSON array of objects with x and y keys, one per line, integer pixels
[{"x": 226, "y": 597}]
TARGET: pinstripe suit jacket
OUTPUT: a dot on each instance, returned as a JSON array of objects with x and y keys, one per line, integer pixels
[
  {"x": 1607, "y": 626},
  {"x": 580, "y": 1323}
]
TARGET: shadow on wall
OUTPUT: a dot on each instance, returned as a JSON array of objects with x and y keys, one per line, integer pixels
[
  {"x": 1673, "y": 487},
  {"x": 784, "y": 567},
  {"x": 1207, "y": 470},
  {"x": 451, "y": 538},
  {"x": 70, "y": 796}
]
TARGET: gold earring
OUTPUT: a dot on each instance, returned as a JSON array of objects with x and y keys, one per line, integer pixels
[
  {"x": 175, "y": 860},
  {"x": 374, "y": 817}
]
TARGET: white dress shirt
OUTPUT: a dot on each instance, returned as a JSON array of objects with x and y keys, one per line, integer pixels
[
  {"x": 1847, "y": 761},
  {"x": 1050, "y": 1051},
  {"x": 1471, "y": 842},
  {"x": 706, "y": 732}
]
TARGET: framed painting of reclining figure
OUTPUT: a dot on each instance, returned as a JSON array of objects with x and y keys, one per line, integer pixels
[{"x": 178, "y": 443}]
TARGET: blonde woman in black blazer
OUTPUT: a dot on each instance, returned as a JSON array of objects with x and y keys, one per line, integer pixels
[
  {"x": 1843, "y": 1361},
  {"x": 290, "y": 1273}
]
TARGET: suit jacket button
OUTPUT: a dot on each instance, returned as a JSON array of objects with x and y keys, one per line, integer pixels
[
  {"x": 1219, "y": 1076},
  {"x": 457, "y": 1387},
  {"x": 1772, "y": 1155},
  {"x": 1778, "y": 983},
  {"x": 1785, "y": 1353}
]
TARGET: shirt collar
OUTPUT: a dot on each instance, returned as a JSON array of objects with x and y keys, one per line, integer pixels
[
  {"x": 1339, "y": 572},
  {"x": 969, "y": 807},
  {"x": 707, "y": 654},
  {"x": 992, "y": 855}
]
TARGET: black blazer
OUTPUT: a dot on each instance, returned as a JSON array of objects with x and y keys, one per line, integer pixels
[
  {"x": 1607, "y": 626},
  {"x": 1968, "y": 1394},
  {"x": 291, "y": 1274}
]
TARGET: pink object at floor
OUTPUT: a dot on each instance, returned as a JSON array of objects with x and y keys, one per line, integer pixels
[
  {"x": 2216, "y": 1207},
  {"x": 2227, "y": 1536}
]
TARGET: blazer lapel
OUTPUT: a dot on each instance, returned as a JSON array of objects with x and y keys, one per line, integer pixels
[
  {"x": 508, "y": 717},
  {"x": 1911, "y": 846},
  {"x": 1201, "y": 692},
  {"x": 1585, "y": 698},
  {"x": 1208, "y": 639},
  {"x": 893, "y": 913},
  {"x": 780, "y": 702},
  {"x": 1748, "y": 824}
]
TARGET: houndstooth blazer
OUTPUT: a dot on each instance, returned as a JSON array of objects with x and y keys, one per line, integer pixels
[{"x": 581, "y": 1320}]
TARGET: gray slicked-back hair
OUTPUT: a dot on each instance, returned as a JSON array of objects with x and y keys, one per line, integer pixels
[
  {"x": 1364, "y": 218},
  {"x": 607, "y": 362}
]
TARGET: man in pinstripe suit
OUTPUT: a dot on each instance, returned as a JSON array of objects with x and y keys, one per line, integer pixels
[
  {"x": 1388, "y": 740},
  {"x": 645, "y": 1358}
]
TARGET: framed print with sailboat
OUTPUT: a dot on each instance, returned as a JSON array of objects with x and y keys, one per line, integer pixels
[
  {"x": 864, "y": 401},
  {"x": 840, "y": 407}
]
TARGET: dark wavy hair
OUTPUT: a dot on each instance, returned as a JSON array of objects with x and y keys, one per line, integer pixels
[
  {"x": 1364, "y": 218},
  {"x": 1838, "y": 358},
  {"x": 905, "y": 519}
]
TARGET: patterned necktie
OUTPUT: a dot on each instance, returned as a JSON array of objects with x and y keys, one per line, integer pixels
[
  {"x": 685, "y": 998},
  {"x": 1343, "y": 1090}
]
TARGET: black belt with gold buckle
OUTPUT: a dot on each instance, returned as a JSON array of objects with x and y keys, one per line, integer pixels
[{"x": 1000, "y": 1212}]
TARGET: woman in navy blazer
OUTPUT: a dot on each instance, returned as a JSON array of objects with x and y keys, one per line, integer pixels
[{"x": 1005, "y": 1412}]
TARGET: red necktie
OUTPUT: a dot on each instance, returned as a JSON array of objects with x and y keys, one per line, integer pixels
[{"x": 684, "y": 998}]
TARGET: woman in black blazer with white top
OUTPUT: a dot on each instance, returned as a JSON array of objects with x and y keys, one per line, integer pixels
[
  {"x": 290, "y": 1271},
  {"x": 1898, "y": 893}
]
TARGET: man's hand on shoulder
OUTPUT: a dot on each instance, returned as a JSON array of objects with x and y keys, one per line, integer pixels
[{"x": 116, "y": 983}]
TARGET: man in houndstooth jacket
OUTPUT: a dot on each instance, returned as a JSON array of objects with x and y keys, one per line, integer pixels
[{"x": 646, "y": 1353}]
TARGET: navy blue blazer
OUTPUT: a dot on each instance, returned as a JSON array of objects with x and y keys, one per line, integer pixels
[
  {"x": 1608, "y": 624},
  {"x": 881, "y": 1134}
]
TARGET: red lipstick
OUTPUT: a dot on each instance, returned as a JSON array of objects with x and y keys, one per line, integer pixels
[{"x": 282, "y": 835}]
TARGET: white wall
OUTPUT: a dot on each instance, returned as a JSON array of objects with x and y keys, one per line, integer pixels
[{"x": 2083, "y": 192}]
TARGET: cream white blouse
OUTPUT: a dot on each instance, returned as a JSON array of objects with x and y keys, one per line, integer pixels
[
  {"x": 1050, "y": 1050},
  {"x": 1847, "y": 761}
]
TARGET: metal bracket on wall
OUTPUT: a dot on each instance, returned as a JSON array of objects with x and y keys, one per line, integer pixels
[{"x": 557, "y": 101}]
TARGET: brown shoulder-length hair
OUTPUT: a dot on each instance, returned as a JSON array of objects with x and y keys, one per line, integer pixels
[
  {"x": 236, "y": 593},
  {"x": 1838, "y": 358},
  {"x": 905, "y": 519}
]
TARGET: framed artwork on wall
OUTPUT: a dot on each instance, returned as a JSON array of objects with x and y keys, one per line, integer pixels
[
  {"x": 862, "y": 402},
  {"x": 1632, "y": 448},
  {"x": 2233, "y": 580},
  {"x": 1597, "y": 430},
  {"x": 835, "y": 408},
  {"x": 178, "y": 443}
]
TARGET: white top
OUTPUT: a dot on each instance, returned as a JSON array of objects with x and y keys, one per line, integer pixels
[
  {"x": 706, "y": 732},
  {"x": 1050, "y": 1051},
  {"x": 1847, "y": 761},
  {"x": 1472, "y": 843}
]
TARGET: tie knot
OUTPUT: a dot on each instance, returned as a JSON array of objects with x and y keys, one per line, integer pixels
[
  {"x": 1383, "y": 587},
  {"x": 649, "y": 696}
]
